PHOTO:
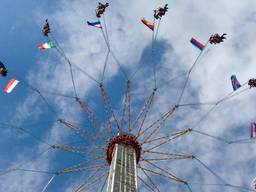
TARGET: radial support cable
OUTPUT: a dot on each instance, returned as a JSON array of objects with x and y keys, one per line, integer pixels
[
  {"x": 94, "y": 185},
  {"x": 170, "y": 136},
  {"x": 82, "y": 187},
  {"x": 123, "y": 108},
  {"x": 47, "y": 103},
  {"x": 153, "y": 52},
  {"x": 129, "y": 107},
  {"x": 231, "y": 95},
  {"x": 7, "y": 125},
  {"x": 22, "y": 164},
  {"x": 76, "y": 147},
  {"x": 139, "y": 67},
  {"x": 80, "y": 132},
  {"x": 188, "y": 75},
  {"x": 172, "y": 79},
  {"x": 210, "y": 170},
  {"x": 146, "y": 184},
  {"x": 150, "y": 180},
  {"x": 38, "y": 92},
  {"x": 48, "y": 183},
  {"x": 197, "y": 104},
  {"x": 204, "y": 117},
  {"x": 61, "y": 172},
  {"x": 152, "y": 55},
  {"x": 106, "y": 29},
  {"x": 105, "y": 66},
  {"x": 162, "y": 84},
  {"x": 94, "y": 120},
  {"x": 179, "y": 134},
  {"x": 241, "y": 141},
  {"x": 174, "y": 177},
  {"x": 240, "y": 188},
  {"x": 58, "y": 94},
  {"x": 104, "y": 183},
  {"x": 212, "y": 136},
  {"x": 157, "y": 29},
  {"x": 144, "y": 112},
  {"x": 119, "y": 65},
  {"x": 126, "y": 108},
  {"x": 170, "y": 155},
  {"x": 61, "y": 51},
  {"x": 108, "y": 110},
  {"x": 45, "y": 100},
  {"x": 188, "y": 187},
  {"x": 35, "y": 171},
  {"x": 168, "y": 176},
  {"x": 106, "y": 39},
  {"x": 225, "y": 98},
  {"x": 86, "y": 74},
  {"x": 78, "y": 129},
  {"x": 82, "y": 163},
  {"x": 76, "y": 151},
  {"x": 28, "y": 133},
  {"x": 63, "y": 54},
  {"x": 158, "y": 123},
  {"x": 166, "y": 158},
  {"x": 154, "y": 37}
]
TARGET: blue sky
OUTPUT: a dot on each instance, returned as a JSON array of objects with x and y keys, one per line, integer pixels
[{"x": 131, "y": 42}]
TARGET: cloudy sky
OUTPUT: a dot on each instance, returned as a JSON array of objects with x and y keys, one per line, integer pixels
[{"x": 28, "y": 120}]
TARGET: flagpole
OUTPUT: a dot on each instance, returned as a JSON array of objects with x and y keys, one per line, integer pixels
[
  {"x": 201, "y": 53},
  {"x": 48, "y": 183},
  {"x": 191, "y": 68}
]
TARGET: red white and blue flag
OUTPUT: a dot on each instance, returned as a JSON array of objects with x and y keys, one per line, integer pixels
[
  {"x": 235, "y": 83},
  {"x": 252, "y": 129},
  {"x": 197, "y": 44},
  {"x": 95, "y": 24}
]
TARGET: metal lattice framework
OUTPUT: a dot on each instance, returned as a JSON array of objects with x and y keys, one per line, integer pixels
[{"x": 127, "y": 128}]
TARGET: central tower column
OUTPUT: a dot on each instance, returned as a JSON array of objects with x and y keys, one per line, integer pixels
[{"x": 122, "y": 154}]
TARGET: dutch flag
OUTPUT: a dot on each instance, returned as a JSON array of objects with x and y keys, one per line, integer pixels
[{"x": 197, "y": 44}]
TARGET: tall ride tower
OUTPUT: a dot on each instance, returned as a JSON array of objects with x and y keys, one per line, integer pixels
[{"x": 123, "y": 153}]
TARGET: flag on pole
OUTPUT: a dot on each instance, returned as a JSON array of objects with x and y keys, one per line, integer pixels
[
  {"x": 148, "y": 23},
  {"x": 197, "y": 44},
  {"x": 94, "y": 24},
  {"x": 10, "y": 86},
  {"x": 47, "y": 45},
  {"x": 252, "y": 130},
  {"x": 235, "y": 83}
]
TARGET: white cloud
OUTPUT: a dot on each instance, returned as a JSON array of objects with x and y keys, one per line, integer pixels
[{"x": 209, "y": 81}]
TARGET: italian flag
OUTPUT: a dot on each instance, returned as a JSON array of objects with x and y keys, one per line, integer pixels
[
  {"x": 10, "y": 86},
  {"x": 47, "y": 45}
]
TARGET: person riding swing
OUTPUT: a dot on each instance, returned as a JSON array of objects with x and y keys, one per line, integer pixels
[
  {"x": 101, "y": 9},
  {"x": 160, "y": 12},
  {"x": 252, "y": 83},
  {"x": 46, "y": 28},
  {"x": 3, "y": 70},
  {"x": 216, "y": 38}
]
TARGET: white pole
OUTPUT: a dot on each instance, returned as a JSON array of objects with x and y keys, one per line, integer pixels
[{"x": 44, "y": 189}]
